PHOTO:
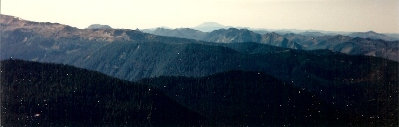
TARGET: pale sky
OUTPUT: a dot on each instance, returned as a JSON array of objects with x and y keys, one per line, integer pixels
[{"x": 332, "y": 15}]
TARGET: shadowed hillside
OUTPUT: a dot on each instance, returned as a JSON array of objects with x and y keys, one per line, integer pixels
[
  {"x": 252, "y": 98},
  {"x": 36, "y": 94},
  {"x": 54, "y": 95}
]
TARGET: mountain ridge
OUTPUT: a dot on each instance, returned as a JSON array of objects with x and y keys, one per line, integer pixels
[
  {"x": 372, "y": 35},
  {"x": 338, "y": 43}
]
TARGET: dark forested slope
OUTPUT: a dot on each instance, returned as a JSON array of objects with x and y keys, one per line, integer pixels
[
  {"x": 252, "y": 98},
  {"x": 36, "y": 94},
  {"x": 55, "y": 95}
]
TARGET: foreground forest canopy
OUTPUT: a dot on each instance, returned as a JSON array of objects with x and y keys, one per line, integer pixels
[{"x": 57, "y": 95}]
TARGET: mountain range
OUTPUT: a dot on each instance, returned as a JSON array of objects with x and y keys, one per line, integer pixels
[
  {"x": 370, "y": 43},
  {"x": 204, "y": 73},
  {"x": 133, "y": 55}
]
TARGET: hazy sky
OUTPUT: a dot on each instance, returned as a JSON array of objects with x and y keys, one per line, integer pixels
[{"x": 333, "y": 15}]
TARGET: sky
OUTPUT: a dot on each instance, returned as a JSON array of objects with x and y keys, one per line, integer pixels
[{"x": 330, "y": 15}]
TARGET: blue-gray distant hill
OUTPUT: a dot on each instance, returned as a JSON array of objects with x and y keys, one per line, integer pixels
[
  {"x": 370, "y": 44},
  {"x": 373, "y": 35}
]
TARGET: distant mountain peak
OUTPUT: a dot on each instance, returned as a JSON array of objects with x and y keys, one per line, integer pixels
[
  {"x": 99, "y": 26},
  {"x": 210, "y": 26},
  {"x": 211, "y": 23}
]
